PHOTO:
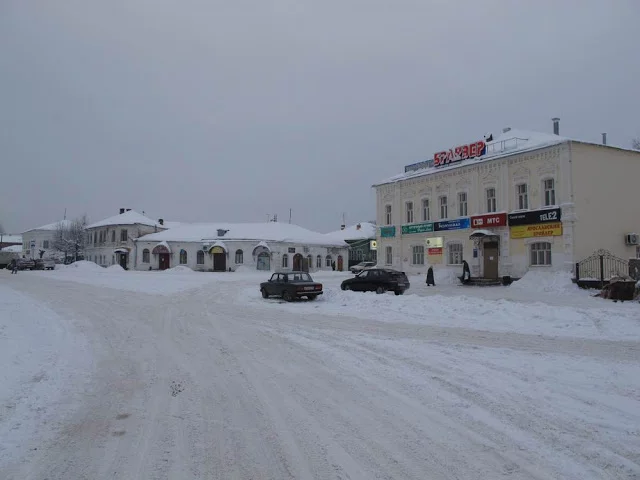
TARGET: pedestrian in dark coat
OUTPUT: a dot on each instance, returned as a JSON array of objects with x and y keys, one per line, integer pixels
[
  {"x": 466, "y": 272},
  {"x": 14, "y": 266},
  {"x": 430, "y": 279}
]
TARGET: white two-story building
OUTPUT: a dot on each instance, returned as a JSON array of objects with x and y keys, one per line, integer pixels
[
  {"x": 40, "y": 242},
  {"x": 112, "y": 240},
  {"x": 507, "y": 204}
]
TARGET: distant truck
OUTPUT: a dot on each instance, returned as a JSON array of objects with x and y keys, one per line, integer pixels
[
  {"x": 45, "y": 264},
  {"x": 6, "y": 257}
]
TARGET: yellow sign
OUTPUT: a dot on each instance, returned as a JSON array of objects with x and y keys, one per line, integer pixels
[
  {"x": 538, "y": 230},
  {"x": 373, "y": 245},
  {"x": 217, "y": 250}
]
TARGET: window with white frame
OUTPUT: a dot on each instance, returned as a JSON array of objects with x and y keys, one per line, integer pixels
[
  {"x": 200, "y": 257},
  {"x": 387, "y": 214},
  {"x": 45, "y": 244},
  {"x": 549, "y": 192},
  {"x": 522, "y": 196},
  {"x": 491, "y": 200},
  {"x": 388, "y": 260},
  {"x": 409, "y": 210},
  {"x": 239, "y": 256},
  {"x": 454, "y": 254},
  {"x": 426, "y": 215},
  {"x": 183, "y": 257},
  {"x": 462, "y": 204},
  {"x": 146, "y": 257},
  {"x": 113, "y": 236},
  {"x": 540, "y": 254},
  {"x": 444, "y": 212},
  {"x": 123, "y": 235},
  {"x": 418, "y": 255},
  {"x": 328, "y": 261},
  {"x": 309, "y": 261},
  {"x": 319, "y": 261},
  {"x": 285, "y": 261}
]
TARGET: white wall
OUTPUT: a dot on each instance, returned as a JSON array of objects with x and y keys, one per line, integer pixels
[
  {"x": 41, "y": 237},
  {"x": 103, "y": 252}
]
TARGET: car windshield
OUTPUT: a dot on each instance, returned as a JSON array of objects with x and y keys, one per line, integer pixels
[{"x": 300, "y": 277}]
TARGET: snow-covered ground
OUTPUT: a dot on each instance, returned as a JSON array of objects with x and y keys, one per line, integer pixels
[{"x": 178, "y": 374}]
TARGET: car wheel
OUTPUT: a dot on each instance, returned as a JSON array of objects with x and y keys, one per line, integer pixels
[
  {"x": 286, "y": 296},
  {"x": 399, "y": 292},
  {"x": 312, "y": 297},
  {"x": 380, "y": 290},
  {"x": 264, "y": 293},
  {"x": 345, "y": 287}
]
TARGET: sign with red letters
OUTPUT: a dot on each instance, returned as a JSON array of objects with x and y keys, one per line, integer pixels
[{"x": 457, "y": 154}]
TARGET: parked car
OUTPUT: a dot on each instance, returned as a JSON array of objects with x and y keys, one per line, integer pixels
[
  {"x": 291, "y": 285},
  {"x": 26, "y": 264},
  {"x": 362, "y": 266},
  {"x": 379, "y": 280},
  {"x": 44, "y": 264}
]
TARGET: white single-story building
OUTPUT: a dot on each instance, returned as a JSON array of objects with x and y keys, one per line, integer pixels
[
  {"x": 42, "y": 239},
  {"x": 361, "y": 239},
  {"x": 226, "y": 246}
]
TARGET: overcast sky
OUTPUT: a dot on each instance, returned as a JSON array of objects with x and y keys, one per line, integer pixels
[{"x": 232, "y": 110}]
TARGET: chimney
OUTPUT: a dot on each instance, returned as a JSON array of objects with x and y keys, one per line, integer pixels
[
  {"x": 556, "y": 125},
  {"x": 358, "y": 227},
  {"x": 506, "y": 129},
  {"x": 121, "y": 211},
  {"x": 128, "y": 209},
  {"x": 604, "y": 138},
  {"x": 161, "y": 221}
]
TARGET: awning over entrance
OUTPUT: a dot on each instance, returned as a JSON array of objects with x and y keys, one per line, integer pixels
[
  {"x": 261, "y": 247},
  {"x": 121, "y": 250},
  {"x": 218, "y": 247},
  {"x": 162, "y": 247},
  {"x": 483, "y": 234}
]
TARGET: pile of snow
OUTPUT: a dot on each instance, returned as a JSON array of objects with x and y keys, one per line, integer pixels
[
  {"x": 86, "y": 266},
  {"x": 12, "y": 249},
  {"x": 558, "y": 283},
  {"x": 116, "y": 268},
  {"x": 179, "y": 269}
]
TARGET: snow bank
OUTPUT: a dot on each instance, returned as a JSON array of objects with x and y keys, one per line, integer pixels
[
  {"x": 116, "y": 268},
  {"x": 558, "y": 283},
  {"x": 179, "y": 269},
  {"x": 84, "y": 265}
]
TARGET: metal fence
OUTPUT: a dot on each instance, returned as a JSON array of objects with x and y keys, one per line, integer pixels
[{"x": 600, "y": 267}]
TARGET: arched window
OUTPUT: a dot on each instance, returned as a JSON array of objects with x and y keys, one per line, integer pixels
[
  {"x": 285, "y": 261},
  {"x": 145, "y": 256},
  {"x": 319, "y": 261},
  {"x": 239, "y": 256},
  {"x": 309, "y": 262},
  {"x": 329, "y": 260},
  {"x": 540, "y": 254},
  {"x": 183, "y": 257},
  {"x": 200, "y": 257}
]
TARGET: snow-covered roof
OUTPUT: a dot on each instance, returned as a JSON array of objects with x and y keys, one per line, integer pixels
[
  {"x": 8, "y": 238},
  {"x": 12, "y": 249},
  {"x": 366, "y": 231},
  {"x": 503, "y": 145},
  {"x": 51, "y": 226},
  {"x": 268, "y": 232},
  {"x": 127, "y": 218}
]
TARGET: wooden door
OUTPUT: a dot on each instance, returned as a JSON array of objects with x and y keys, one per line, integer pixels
[
  {"x": 163, "y": 261},
  {"x": 340, "y": 262},
  {"x": 219, "y": 262},
  {"x": 123, "y": 260},
  {"x": 491, "y": 260},
  {"x": 297, "y": 262}
]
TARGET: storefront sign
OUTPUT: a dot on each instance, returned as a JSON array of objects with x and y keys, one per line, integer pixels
[
  {"x": 417, "y": 228},
  {"x": 489, "y": 220},
  {"x": 217, "y": 250},
  {"x": 457, "y": 224},
  {"x": 434, "y": 242},
  {"x": 387, "y": 232},
  {"x": 434, "y": 251},
  {"x": 291, "y": 250},
  {"x": 457, "y": 154},
  {"x": 538, "y": 230},
  {"x": 535, "y": 216},
  {"x": 373, "y": 245},
  {"x": 418, "y": 166}
]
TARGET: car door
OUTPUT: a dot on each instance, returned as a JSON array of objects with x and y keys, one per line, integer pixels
[
  {"x": 374, "y": 280},
  {"x": 360, "y": 281},
  {"x": 272, "y": 284}
]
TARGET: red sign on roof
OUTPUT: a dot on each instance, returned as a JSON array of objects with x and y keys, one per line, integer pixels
[{"x": 457, "y": 154}]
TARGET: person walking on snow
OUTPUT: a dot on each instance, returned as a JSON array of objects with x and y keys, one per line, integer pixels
[
  {"x": 14, "y": 266},
  {"x": 430, "y": 279}
]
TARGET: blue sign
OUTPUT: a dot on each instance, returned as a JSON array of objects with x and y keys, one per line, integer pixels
[
  {"x": 457, "y": 224},
  {"x": 387, "y": 232}
]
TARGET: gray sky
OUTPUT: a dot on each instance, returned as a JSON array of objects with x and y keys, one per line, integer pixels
[{"x": 226, "y": 111}]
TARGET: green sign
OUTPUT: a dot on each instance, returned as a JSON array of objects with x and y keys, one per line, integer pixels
[
  {"x": 388, "y": 231},
  {"x": 417, "y": 228}
]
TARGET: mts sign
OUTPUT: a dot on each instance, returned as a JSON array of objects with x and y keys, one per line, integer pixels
[{"x": 489, "y": 220}]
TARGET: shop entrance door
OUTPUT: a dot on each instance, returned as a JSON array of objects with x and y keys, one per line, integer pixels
[{"x": 491, "y": 260}]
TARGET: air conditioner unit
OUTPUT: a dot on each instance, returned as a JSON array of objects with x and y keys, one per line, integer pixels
[{"x": 632, "y": 239}]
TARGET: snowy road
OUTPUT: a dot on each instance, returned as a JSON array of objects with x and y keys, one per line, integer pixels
[{"x": 196, "y": 385}]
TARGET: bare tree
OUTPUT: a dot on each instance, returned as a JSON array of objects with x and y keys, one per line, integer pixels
[
  {"x": 70, "y": 238},
  {"x": 635, "y": 143}
]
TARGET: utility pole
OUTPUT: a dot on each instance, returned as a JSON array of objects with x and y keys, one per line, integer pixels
[
  {"x": 65, "y": 213},
  {"x": 289, "y": 215}
]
